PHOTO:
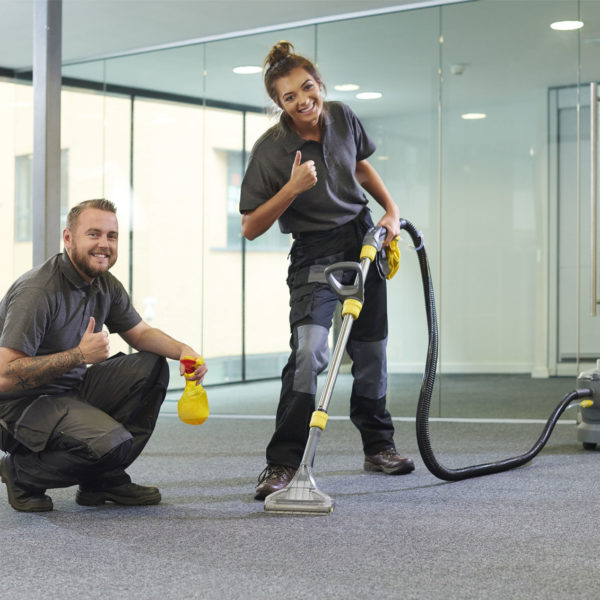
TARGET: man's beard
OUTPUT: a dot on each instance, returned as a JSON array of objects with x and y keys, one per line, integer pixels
[{"x": 83, "y": 262}]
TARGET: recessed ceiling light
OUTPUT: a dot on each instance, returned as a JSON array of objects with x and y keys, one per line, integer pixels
[
  {"x": 247, "y": 70},
  {"x": 473, "y": 116},
  {"x": 383, "y": 157},
  {"x": 346, "y": 87},
  {"x": 566, "y": 25},
  {"x": 369, "y": 95}
]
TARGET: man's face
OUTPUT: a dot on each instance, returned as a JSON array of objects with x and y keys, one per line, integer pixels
[{"x": 92, "y": 243}]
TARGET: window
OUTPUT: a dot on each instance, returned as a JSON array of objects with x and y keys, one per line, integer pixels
[
  {"x": 24, "y": 195},
  {"x": 272, "y": 239},
  {"x": 234, "y": 186}
]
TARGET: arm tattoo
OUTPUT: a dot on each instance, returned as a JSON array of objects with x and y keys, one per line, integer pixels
[{"x": 31, "y": 372}]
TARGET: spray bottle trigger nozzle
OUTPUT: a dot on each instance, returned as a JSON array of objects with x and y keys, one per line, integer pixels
[{"x": 191, "y": 363}]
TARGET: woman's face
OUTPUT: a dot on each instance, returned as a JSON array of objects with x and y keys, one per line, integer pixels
[{"x": 299, "y": 95}]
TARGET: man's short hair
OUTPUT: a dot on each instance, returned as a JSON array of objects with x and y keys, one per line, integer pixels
[{"x": 99, "y": 203}]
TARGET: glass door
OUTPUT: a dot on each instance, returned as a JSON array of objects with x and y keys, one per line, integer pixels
[
  {"x": 588, "y": 324},
  {"x": 573, "y": 169}
]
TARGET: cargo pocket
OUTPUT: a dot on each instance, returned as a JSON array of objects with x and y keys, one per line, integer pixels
[
  {"x": 306, "y": 282},
  {"x": 300, "y": 304},
  {"x": 37, "y": 423}
]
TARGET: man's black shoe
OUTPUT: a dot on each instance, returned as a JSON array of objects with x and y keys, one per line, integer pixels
[
  {"x": 390, "y": 462},
  {"x": 130, "y": 494},
  {"x": 19, "y": 498},
  {"x": 273, "y": 478}
]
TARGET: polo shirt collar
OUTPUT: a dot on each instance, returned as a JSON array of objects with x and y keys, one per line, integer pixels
[
  {"x": 70, "y": 272},
  {"x": 292, "y": 141}
]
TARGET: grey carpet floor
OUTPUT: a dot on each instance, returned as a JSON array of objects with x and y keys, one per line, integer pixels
[{"x": 528, "y": 533}]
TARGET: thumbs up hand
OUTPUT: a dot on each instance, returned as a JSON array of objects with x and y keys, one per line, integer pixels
[
  {"x": 94, "y": 347},
  {"x": 303, "y": 176}
]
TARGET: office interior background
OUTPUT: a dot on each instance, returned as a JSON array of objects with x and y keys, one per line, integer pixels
[{"x": 481, "y": 116}]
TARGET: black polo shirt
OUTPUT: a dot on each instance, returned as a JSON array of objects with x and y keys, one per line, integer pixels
[
  {"x": 47, "y": 310},
  {"x": 337, "y": 197}
]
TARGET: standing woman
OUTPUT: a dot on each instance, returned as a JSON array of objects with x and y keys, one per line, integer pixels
[{"x": 307, "y": 172}]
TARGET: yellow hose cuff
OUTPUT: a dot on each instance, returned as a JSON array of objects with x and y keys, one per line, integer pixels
[
  {"x": 318, "y": 419},
  {"x": 352, "y": 307},
  {"x": 368, "y": 251}
]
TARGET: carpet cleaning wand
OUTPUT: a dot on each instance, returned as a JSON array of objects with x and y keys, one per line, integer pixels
[{"x": 301, "y": 495}]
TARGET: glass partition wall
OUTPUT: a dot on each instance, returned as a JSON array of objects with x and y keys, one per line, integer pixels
[
  {"x": 479, "y": 111},
  {"x": 499, "y": 63}
]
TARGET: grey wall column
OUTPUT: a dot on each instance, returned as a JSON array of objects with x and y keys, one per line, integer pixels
[{"x": 47, "y": 53}]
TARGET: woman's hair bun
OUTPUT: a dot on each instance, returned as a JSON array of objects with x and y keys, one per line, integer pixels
[{"x": 280, "y": 51}]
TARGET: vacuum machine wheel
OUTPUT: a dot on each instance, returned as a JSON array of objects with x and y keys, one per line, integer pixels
[{"x": 589, "y": 445}]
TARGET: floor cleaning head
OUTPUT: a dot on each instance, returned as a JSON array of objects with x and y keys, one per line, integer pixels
[{"x": 300, "y": 496}]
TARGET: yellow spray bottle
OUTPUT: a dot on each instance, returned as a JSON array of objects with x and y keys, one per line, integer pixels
[{"x": 192, "y": 407}]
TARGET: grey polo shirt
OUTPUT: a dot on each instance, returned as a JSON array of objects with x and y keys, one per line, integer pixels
[
  {"x": 47, "y": 310},
  {"x": 337, "y": 197}
]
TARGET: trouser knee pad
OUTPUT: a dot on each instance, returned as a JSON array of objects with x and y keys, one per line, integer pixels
[
  {"x": 116, "y": 457},
  {"x": 311, "y": 355}
]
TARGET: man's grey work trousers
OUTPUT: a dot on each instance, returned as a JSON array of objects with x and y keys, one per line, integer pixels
[{"x": 88, "y": 436}]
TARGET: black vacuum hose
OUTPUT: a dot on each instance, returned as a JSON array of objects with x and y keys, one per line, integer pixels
[{"x": 423, "y": 437}]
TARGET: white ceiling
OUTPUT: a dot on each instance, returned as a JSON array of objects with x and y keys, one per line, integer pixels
[
  {"x": 506, "y": 46},
  {"x": 98, "y": 27}
]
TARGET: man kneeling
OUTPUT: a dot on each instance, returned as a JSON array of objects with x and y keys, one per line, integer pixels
[{"x": 63, "y": 423}]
